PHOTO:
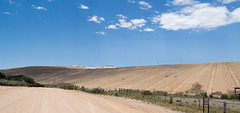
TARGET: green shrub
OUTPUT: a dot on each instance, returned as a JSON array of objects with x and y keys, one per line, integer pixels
[
  {"x": 70, "y": 87},
  {"x": 165, "y": 94},
  {"x": 12, "y": 83},
  {"x": 146, "y": 93},
  {"x": 82, "y": 88},
  {"x": 224, "y": 96},
  {"x": 35, "y": 85},
  {"x": 116, "y": 94},
  {"x": 211, "y": 96},
  {"x": 185, "y": 95},
  {"x": 231, "y": 97},
  {"x": 97, "y": 90},
  {"x": 9, "y": 77},
  {"x": 204, "y": 95},
  {"x": 28, "y": 80},
  {"x": 171, "y": 99},
  {"x": 2, "y": 76},
  {"x": 18, "y": 80},
  {"x": 178, "y": 101}
]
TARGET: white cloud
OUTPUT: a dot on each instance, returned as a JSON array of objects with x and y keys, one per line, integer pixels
[
  {"x": 235, "y": 16},
  {"x": 102, "y": 19},
  {"x": 132, "y": 24},
  {"x": 7, "y": 13},
  {"x": 101, "y": 33},
  {"x": 138, "y": 23},
  {"x": 124, "y": 24},
  {"x": 112, "y": 27},
  {"x": 198, "y": 16},
  {"x": 122, "y": 16},
  {"x": 96, "y": 19},
  {"x": 148, "y": 30},
  {"x": 144, "y": 5},
  {"x": 227, "y": 1},
  {"x": 131, "y": 1},
  {"x": 184, "y": 2},
  {"x": 39, "y": 8},
  {"x": 83, "y": 6},
  {"x": 13, "y": 3}
]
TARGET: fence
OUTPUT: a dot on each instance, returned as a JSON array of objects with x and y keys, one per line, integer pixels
[{"x": 177, "y": 97}]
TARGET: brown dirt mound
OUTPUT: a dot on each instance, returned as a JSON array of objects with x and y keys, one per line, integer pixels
[{"x": 212, "y": 77}]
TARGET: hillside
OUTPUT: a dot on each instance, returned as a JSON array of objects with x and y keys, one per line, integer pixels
[{"x": 209, "y": 77}]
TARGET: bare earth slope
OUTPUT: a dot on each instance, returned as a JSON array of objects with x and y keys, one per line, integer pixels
[
  {"x": 209, "y": 77},
  {"x": 52, "y": 100}
]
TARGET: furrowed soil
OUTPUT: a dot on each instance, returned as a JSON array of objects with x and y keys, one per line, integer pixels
[{"x": 209, "y": 77}]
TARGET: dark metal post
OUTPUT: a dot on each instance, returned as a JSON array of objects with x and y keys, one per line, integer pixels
[
  {"x": 224, "y": 105},
  {"x": 208, "y": 107},
  {"x": 235, "y": 93},
  {"x": 203, "y": 108}
]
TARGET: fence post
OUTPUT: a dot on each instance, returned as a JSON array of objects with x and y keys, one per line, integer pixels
[
  {"x": 181, "y": 99},
  {"x": 199, "y": 103},
  {"x": 224, "y": 107}
]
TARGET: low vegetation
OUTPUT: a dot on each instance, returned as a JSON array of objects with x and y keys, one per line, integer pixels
[
  {"x": 97, "y": 90},
  {"x": 18, "y": 80},
  {"x": 158, "y": 97}
]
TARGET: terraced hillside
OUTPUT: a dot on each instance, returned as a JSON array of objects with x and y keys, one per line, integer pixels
[{"x": 209, "y": 77}]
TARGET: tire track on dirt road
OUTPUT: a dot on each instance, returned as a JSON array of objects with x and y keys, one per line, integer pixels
[
  {"x": 183, "y": 72},
  {"x": 190, "y": 77},
  {"x": 233, "y": 75},
  {"x": 211, "y": 81}
]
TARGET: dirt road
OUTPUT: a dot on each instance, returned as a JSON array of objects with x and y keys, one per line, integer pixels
[{"x": 52, "y": 100}]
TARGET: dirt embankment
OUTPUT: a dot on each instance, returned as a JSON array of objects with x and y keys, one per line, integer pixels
[{"x": 212, "y": 77}]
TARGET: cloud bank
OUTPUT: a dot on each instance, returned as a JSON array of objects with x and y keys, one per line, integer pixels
[{"x": 197, "y": 16}]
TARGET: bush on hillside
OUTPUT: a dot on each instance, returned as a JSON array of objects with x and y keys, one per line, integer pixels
[
  {"x": 2, "y": 76},
  {"x": 82, "y": 88},
  {"x": 70, "y": 87},
  {"x": 21, "y": 78},
  {"x": 146, "y": 93},
  {"x": 97, "y": 90},
  {"x": 224, "y": 96},
  {"x": 171, "y": 99},
  {"x": 4, "y": 82},
  {"x": 18, "y": 80},
  {"x": 116, "y": 94},
  {"x": 165, "y": 93},
  {"x": 211, "y": 96},
  {"x": 231, "y": 97}
]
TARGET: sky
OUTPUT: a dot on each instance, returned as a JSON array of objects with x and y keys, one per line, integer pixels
[{"x": 118, "y": 32}]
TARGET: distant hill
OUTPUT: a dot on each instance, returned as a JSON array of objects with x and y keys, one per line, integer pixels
[{"x": 209, "y": 77}]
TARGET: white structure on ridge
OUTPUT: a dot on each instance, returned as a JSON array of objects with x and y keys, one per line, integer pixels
[{"x": 92, "y": 67}]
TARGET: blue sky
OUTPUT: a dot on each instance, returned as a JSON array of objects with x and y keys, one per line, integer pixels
[{"x": 118, "y": 32}]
